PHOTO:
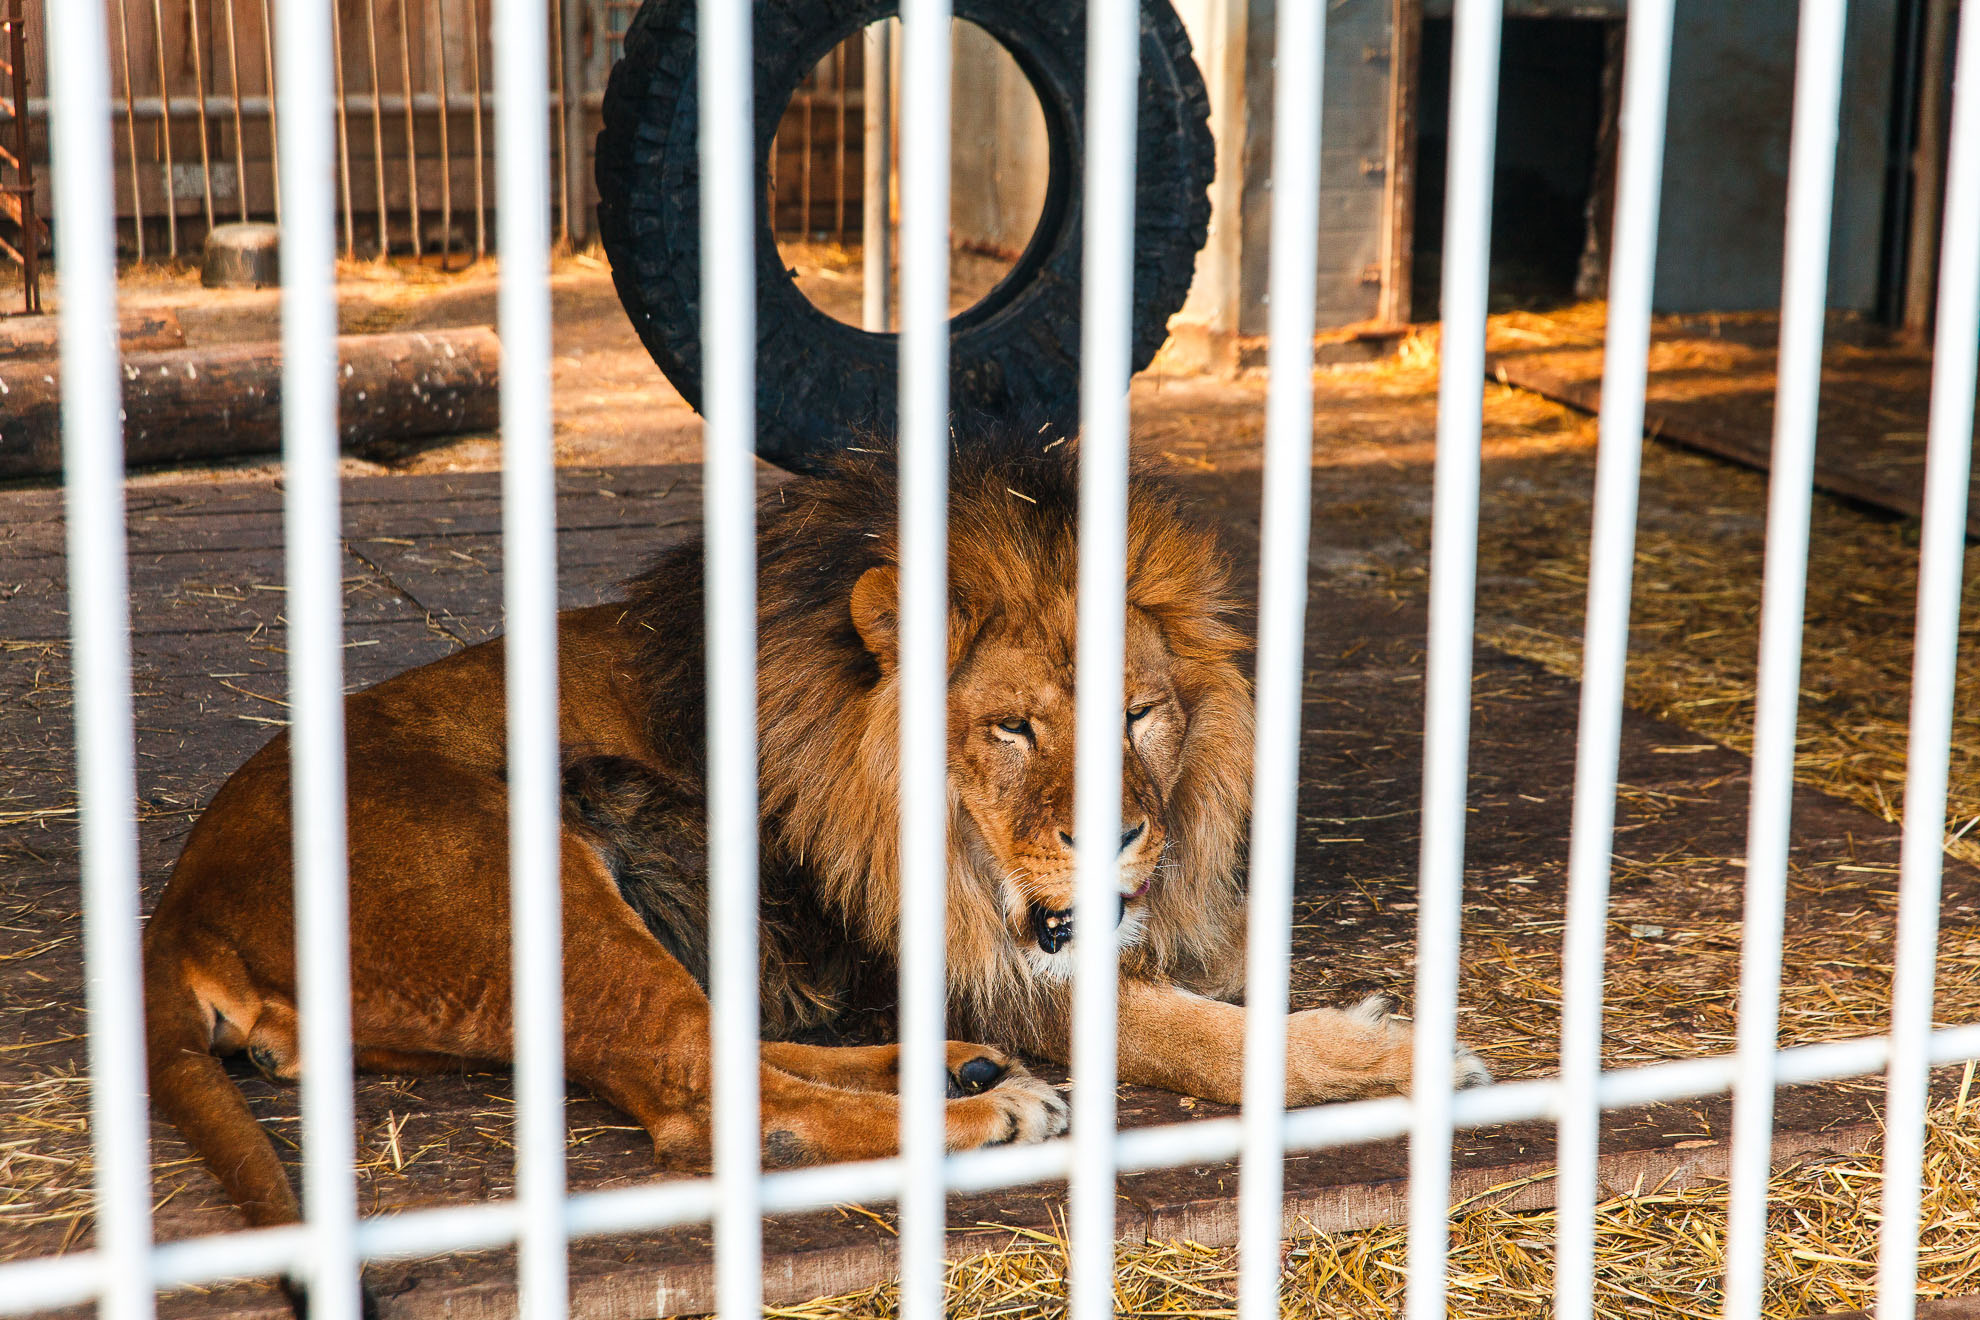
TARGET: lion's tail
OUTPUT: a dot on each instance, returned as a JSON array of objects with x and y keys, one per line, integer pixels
[{"x": 191, "y": 1088}]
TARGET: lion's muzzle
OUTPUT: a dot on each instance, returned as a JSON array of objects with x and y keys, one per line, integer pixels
[{"x": 1052, "y": 928}]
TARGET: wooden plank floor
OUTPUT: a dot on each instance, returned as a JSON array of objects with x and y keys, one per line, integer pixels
[
  {"x": 422, "y": 577},
  {"x": 1712, "y": 385}
]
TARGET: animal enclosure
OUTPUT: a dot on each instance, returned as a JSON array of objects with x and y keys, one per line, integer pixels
[{"x": 123, "y": 1269}]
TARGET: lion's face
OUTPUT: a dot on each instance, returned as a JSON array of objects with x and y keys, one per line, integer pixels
[{"x": 1011, "y": 759}]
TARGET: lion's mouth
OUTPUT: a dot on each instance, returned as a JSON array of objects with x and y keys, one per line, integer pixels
[{"x": 1052, "y": 928}]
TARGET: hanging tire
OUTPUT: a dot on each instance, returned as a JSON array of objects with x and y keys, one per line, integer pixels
[{"x": 821, "y": 382}]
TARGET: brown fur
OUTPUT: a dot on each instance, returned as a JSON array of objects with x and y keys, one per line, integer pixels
[{"x": 428, "y": 864}]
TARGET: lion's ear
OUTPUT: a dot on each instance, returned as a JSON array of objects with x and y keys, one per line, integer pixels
[{"x": 875, "y": 610}]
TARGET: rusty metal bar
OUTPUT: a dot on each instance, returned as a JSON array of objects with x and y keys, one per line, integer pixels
[
  {"x": 563, "y": 144},
  {"x": 804, "y": 173},
  {"x": 439, "y": 45},
  {"x": 205, "y": 129},
  {"x": 577, "y": 220},
  {"x": 377, "y": 127},
  {"x": 240, "y": 131},
  {"x": 343, "y": 131},
  {"x": 480, "y": 156},
  {"x": 130, "y": 125},
  {"x": 30, "y": 222},
  {"x": 165, "y": 130},
  {"x": 274, "y": 119},
  {"x": 841, "y": 58},
  {"x": 412, "y": 125}
]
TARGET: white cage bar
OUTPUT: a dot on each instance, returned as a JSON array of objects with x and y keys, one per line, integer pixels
[
  {"x": 124, "y": 1268},
  {"x": 1605, "y": 651},
  {"x": 924, "y": 641},
  {"x": 1935, "y": 654},
  {"x": 1281, "y": 669},
  {"x": 1447, "y": 683}
]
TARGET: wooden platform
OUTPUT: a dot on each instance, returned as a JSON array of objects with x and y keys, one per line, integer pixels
[{"x": 422, "y": 577}]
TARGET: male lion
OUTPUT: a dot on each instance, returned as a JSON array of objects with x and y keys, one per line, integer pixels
[{"x": 428, "y": 863}]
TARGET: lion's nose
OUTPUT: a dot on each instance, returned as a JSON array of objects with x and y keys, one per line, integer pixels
[{"x": 1127, "y": 836}]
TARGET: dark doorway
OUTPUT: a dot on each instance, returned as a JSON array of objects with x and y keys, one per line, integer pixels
[{"x": 1555, "y": 141}]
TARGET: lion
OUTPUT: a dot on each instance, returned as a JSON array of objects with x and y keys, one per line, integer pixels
[{"x": 429, "y": 893}]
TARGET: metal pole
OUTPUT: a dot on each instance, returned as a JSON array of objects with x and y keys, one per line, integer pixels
[
  {"x": 480, "y": 150},
  {"x": 876, "y": 256},
  {"x": 1113, "y": 60},
  {"x": 924, "y": 647},
  {"x": 240, "y": 130},
  {"x": 377, "y": 127},
  {"x": 840, "y": 58},
  {"x": 1281, "y": 664},
  {"x": 563, "y": 147},
  {"x": 274, "y": 119},
  {"x": 99, "y": 592},
  {"x": 165, "y": 131},
  {"x": 205, "y": 132},
  {"x": 529, "y": 541},
  {"x": 1605, "y": 651},
  {"x": 728, "y": 336},
  {"x": 1453, "y": 582},
  {"x": 314, "y": 605},
  {"x": 1811, "y": 185},
  {"x": 130, "y": 125},
  {"x": 577, "y": 225},
  {"x": 344, "y": 131},
  {"x": 412, "y": 127},
  {"x": 1935, "y": 677},
  {"x": 446, "y": 141}
]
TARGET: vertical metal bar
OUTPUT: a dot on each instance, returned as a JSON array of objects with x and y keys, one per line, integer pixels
[
  {"x": 480, "y": 151},
  {"x": 130, "y": 125},
  {"x": 1281, "y": 665},
  {"x": 1935, "y": 660},
  {"x": 1453, "y": 582},
  {"x": 529, "y": 552},
  {"x": 343, "y": 131},
  {"x": 728, "y": 336},
  {"x": 199, "y": 100},
  {"x": 240, "y": 130},
  {"x": 165, "y": 130},
  {"x": 1605, "y": 649},
  {"x": 377, "y": 127},
  {"x": 1113, "y": 59},
  {"x": 412, "y": 126},
  {"x": 106, "y": 777},
  {"x": 804, "y": 165},
  {"x": 1811, "y": 182},
  {"x": 274, "y": 110},
  {"x": 315, "y": 608},
  {"x": 563, "y": 154},
  {"x": 840, "y": 58},
  {"x": 570, "y": 109},
  {"x": 876, "y": 257},
  {"x": 446, "y": 142},
  {"x": 924, "y": 460}
]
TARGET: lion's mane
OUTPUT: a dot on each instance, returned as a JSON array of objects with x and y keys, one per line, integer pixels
[{"x": 827, "y": 719}]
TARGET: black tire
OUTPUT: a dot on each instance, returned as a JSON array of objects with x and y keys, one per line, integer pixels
[{"x": 820, "y": 381}]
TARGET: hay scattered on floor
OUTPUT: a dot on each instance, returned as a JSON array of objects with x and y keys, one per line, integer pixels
[{"x": 1658, "y": 1253}]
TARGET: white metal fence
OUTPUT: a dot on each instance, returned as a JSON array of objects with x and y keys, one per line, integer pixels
[{"x": 125, "y": 1269}]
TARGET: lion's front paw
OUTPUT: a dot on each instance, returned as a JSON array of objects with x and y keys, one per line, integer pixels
[{"x": 1019, "y": 1108}]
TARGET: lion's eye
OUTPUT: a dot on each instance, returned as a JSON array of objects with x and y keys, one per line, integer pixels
[
  {"x": 1135, "y": 713},
  {"x": 1016, "y": 726}
]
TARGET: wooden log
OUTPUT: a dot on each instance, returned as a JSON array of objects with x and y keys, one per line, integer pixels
[
  {"x": 36, "y": 337},
  {"x": 204, "y": 403}
]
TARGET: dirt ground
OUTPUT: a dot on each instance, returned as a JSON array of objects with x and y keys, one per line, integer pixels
[{"x": 1675, "y": 925}]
